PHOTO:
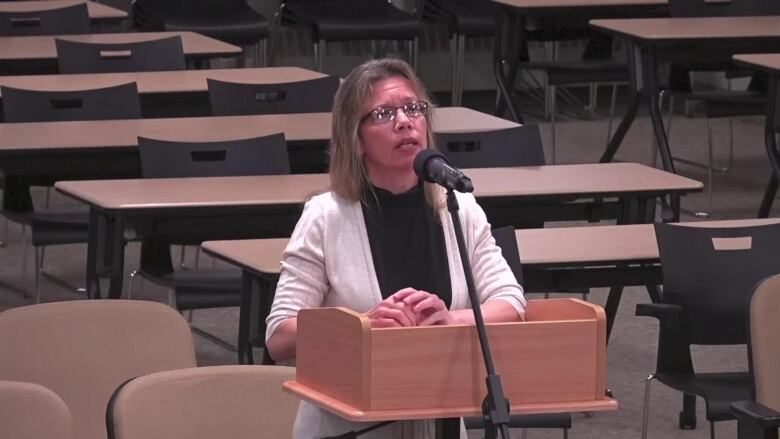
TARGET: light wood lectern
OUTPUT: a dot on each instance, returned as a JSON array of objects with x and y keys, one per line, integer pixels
[{"x": 555, "y": 361}]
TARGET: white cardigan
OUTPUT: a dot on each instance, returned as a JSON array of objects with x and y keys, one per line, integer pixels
[{"x": 328, "y": 263}]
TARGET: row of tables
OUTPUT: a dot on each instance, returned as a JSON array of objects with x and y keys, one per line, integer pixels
[
  {"x": 613, "y": 256},
  {"x": 651, "y": 41}
]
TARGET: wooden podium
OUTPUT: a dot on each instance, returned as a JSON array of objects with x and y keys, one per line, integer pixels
[{"x": 554, "y": 361}]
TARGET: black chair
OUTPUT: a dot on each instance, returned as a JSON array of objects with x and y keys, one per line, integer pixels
[
  {"x": 117, "y": 102},
  {"x": 463, "y": 19},
  {"x": 507, "y": 242},
  {"x": 141, "y": 56},
  {"x": 759, "y": 418},
  {"x": 517, "y": 146},
  {"x": 61, "y": 226},
  {"x": 312, "y": 96},
  {"x": 352, "y": 20},
  {"x": 718, "y": 103},
  {"x": 231, "y": 21},
  {"x": 708, "y": 274},
  {"x": 197, "y": 289},
  {"x": 61, "y": 21}
]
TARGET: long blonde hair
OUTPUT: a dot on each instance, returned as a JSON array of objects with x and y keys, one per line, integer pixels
[{"x": 348, "y": 175}]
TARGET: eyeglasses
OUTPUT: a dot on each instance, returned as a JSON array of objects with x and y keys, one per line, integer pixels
[{"x": 387, "y": 113}]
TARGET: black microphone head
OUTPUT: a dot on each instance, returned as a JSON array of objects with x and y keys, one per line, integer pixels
[{"x": 421, "y": 161}]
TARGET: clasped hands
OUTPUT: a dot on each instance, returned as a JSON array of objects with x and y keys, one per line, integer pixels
[{"x": 409, "y": 307}]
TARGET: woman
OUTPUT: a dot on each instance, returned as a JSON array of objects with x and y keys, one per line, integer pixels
[{"x": 382, "y": 242}]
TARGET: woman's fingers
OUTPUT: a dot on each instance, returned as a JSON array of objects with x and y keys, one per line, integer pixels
[{"x": 394, "y": 311}]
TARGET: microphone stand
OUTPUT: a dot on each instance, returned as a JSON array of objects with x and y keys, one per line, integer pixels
[{"x": 495, "y": 407}]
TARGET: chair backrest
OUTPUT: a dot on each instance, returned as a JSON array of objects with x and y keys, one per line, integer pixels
[
  {"x": 710, "y": 272},
  {"x": 82, "y": 350},
  {"x": 204, "y": 403},
  {"x": 507, "y": 242},
  {"x": 140, "y": 56},
  {"x": 61, "y": 21},
  {"x": 118, "y": 102},
  {"x": 517, "y": 146},
  {"x": 764, "y": 341},
  {"x": 312, "y": 96},
  {"x": 257, "y": 156},
  {"x": 31, "y": 411}
]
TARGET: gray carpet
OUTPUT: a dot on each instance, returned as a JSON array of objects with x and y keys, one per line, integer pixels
[{"x": 632, "y": 348}]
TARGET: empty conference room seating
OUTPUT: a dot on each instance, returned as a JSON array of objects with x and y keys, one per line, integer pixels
[
  {"x": 517, "y": 146},
  {"x": 197, "y": 289},
  {"x": 760, "y": 416},
  {"x": 31, "y": 411},
  {"x": 204, "y": 403},
  {"x": 463, "y": 19},
  {"x": 83, "y": 350},
  {"x": 117, "y": 102},
  {"x": 231, "y": 21},
  {"x": 353, "y": 20},
  {"x": 312, "y": 96},
  {"x": 61, "y": 226},
  {"x": 68, "y": 20},
  {"x": 140, "y": 56},
  {"x": 708, "y": 275}
]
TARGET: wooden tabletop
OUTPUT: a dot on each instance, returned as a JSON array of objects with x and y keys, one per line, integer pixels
[
  {"x": 160, "y": 82},
  {"x": 604, "y": 179},
  {"x": 764, "y": 61},
  {"x": 96, "y": 11},
  {"x": 693, "y": 28},
  {"x": 588, "y": 245},
  {"x": 43, "y": 48},
  {"x": 39, "y": 136}
]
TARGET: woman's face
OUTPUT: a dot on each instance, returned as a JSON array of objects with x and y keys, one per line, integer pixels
[{"x": 389, "y": 148}]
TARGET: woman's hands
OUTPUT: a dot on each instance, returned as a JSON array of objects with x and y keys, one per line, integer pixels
[{"x": 409, "y": 307}]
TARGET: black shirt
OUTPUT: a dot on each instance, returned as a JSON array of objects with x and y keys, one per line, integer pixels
[{"x": 407, "y": 243}]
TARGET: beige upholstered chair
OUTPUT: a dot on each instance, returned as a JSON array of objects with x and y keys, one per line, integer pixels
[
  {"x": 31, "y": 411},
  {"x": 761, "y": 418},
  {"x": 83, "y": 350},
  {"x": 237, "y": 402}
]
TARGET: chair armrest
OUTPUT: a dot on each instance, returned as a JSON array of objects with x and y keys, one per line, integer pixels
[
  {"x": 667, "y": 314},
  {"x": 756, "y": 413}
]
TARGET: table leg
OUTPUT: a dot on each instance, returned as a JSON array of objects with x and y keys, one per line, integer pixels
[
  {"x": 247, "y": 316},
  {"x": 611, "y": 307},
  {"x": 256, "y": 298},
  {"x": 649, "y": 63},
  {"x": 105, "y": 254},
  {"x": 505, "y": 46},
  {"x": 770, "y": 143},
  {"x": 116, "y": 243},
  {"x": 93, "y": 240},
  {"x": 769, "y": 196}
]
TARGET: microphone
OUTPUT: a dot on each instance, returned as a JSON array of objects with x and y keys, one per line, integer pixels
[{"x": 433, "y": 167}]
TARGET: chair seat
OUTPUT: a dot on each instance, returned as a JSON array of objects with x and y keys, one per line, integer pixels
[
  {"x": 730, "y": 103},
  {"x": 354, "y": 20},
  {"x": 195, "y": 289},
  {"x": 241, "y": 27},
  {"x": 580, "y": 72},
  {"x": 54, "y": 227},
  {"x": 719, "y": 390},
  {"x": 468, "y": 17}
]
